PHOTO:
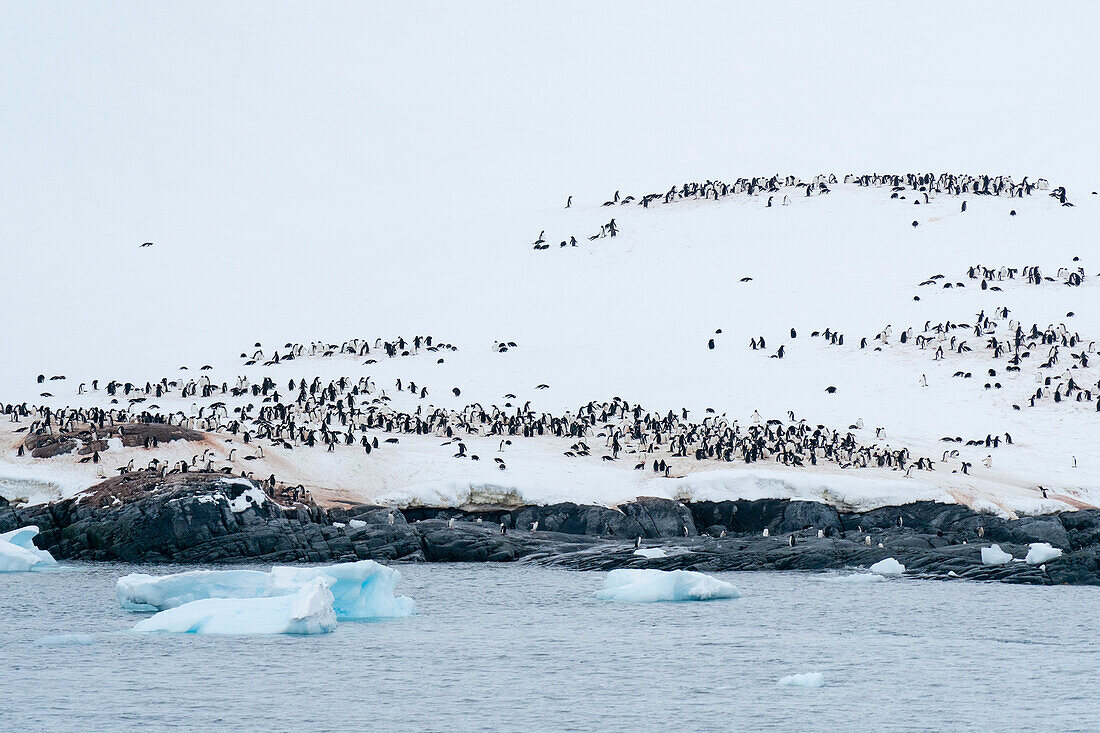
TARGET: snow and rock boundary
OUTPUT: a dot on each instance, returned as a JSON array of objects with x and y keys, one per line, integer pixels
[{"x": 207, "y": 518}]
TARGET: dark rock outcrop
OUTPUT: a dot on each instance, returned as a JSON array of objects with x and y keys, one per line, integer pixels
[
  {"x": 204, "y": 518},
  {"x": 647, "y": 516},
  {"x": 212, "y": 518},
  {"x": 86, "y": 438}
]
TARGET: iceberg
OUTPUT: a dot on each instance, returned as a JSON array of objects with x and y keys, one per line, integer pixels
[
  {"x": 141, "y": 592},
  {"x": 806, "y": 679},
  {"x": 994, "y": 555},
  {"x": 650, "y": 552},
  {"x": 1041, "y": 552},
  {"x": 18, "y": 553},
  {"x": 889, "y": 566},
  {"x": 361, "y": 590},
  {"x": 648, "y": 586},
  {"x": 309, "y": 611}
]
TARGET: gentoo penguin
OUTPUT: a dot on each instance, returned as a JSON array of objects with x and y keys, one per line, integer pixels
[
  {"x": 710, "y": 344},
  {"x": 569, "y": 202}
]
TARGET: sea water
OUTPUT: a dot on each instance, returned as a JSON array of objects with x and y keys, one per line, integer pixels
[{"x": 519, "y": 648}]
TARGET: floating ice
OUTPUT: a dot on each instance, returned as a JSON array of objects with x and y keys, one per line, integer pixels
[
  {"x": 1041, "y": 552},
  {"x": 889, "y": 566},
  {"x": 650, "y": 552},
  {"x": 361, "y": 590},
  {"x": 994, "y": 555},
  {"x": 64, "y": 640},
  {"x": 647, "y": 586},
  {"x": 806, "y": 679},
  {"x": 309, "y": 611},
  {"x": 854, "y": 578},
  {"x": 141, "y": 592},
  {"x": 18, "y": 553}
]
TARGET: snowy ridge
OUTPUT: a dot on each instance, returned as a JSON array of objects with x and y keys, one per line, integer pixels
[{"x": 874, "y": 353}]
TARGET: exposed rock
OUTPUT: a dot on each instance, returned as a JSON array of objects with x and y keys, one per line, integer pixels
[
  {"x": 659, "y": 517},
  {"x": 1083, "y": 527},
  {"x": 85, "y": 438},
  {"x": 212, "y": 518},
  {"x": 201, "y": 517},
  {"x": 571, "y": 518},
  {"x": 809, "y": 514}
]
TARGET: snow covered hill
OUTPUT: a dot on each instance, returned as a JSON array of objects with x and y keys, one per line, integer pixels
[
  {"x": 633, "y": 316},
  {"x": 370, "y": 172}
]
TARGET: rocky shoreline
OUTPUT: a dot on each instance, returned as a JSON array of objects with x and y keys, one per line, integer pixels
[{"x": 212, "y": 518}]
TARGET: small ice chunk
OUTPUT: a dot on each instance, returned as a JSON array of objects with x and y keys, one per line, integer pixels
[
  {"x": 339, "y": 525},
  {"x": 18, "y": 553},
  {"x": 648, "y": 586},
  {"x": 650, "y": 552},
  {"x": 309, "y": 611},
  {"x": 1041, "y": 552},
  {"x": 806, "y": 679},
  {"x": 994, "y": 555},
  {"x": 854, "y": 578},
  {"x": 889, "y": 566},
  {"x": 64, "y": 640},
  {"x": 357, "y": 523}
]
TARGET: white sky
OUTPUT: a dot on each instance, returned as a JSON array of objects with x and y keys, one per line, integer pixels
[{"x": 267, "y": 146}]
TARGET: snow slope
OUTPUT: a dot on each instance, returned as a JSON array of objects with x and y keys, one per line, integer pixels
[{"x": 387, "y": 170}]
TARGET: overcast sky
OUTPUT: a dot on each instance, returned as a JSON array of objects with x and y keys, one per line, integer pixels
[{"x": 262, "y": 127}]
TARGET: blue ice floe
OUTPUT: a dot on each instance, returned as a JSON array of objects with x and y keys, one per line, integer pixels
[
  {"x": 357, "y": 591},
  {"x": 309, "y": 611},
  {"x": 19, "y": 555},
  {"x": 649, "y": 586}
]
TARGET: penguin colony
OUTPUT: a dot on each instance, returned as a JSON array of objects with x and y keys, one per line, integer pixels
[
  {"x": 781, "y": 189},
  {"x": 355, "y": 413}
]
